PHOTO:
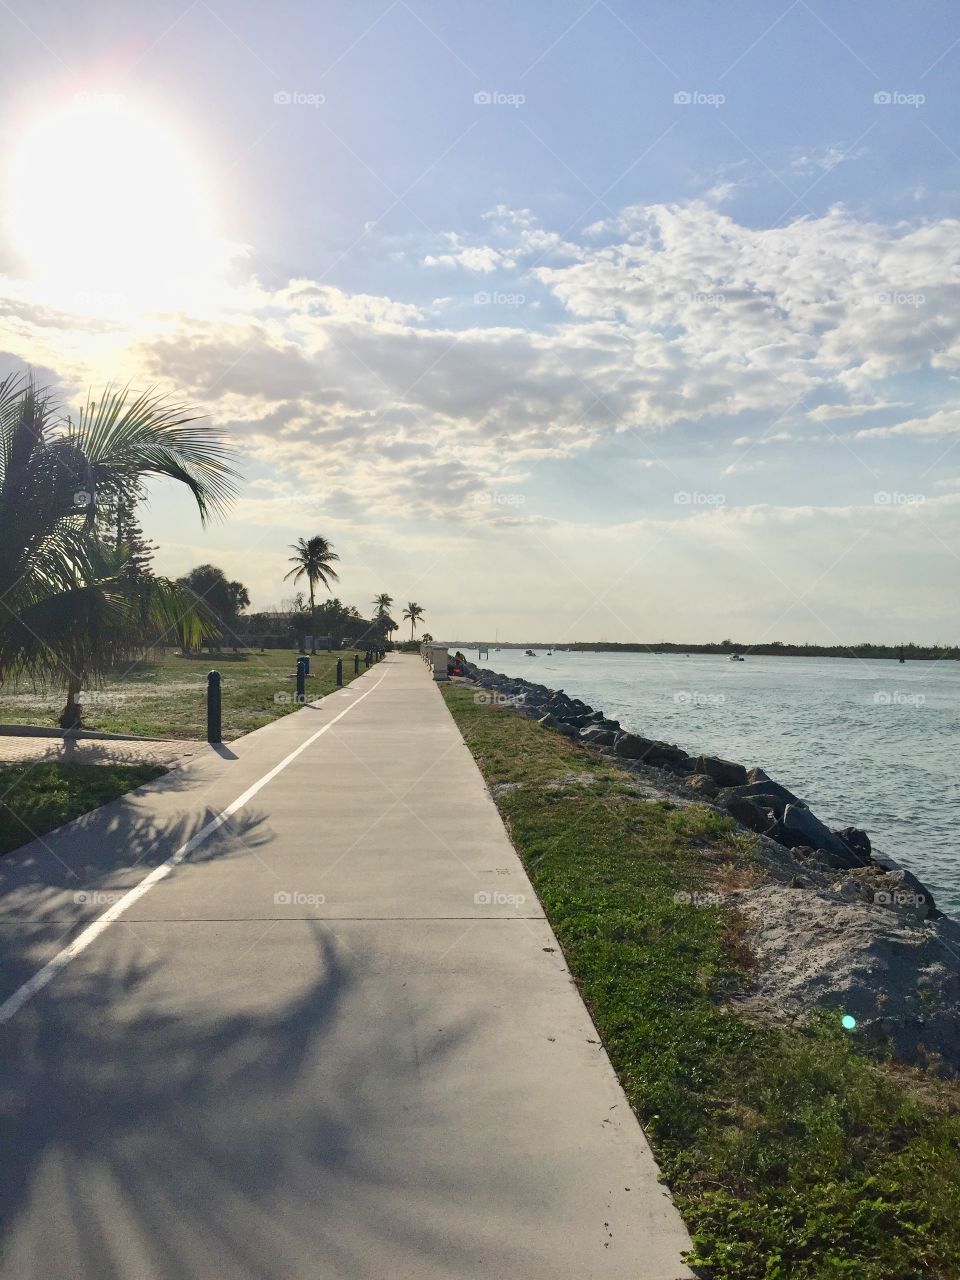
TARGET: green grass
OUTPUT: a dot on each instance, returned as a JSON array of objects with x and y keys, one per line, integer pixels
[
  {"x": 165, "y": 696},
  {"x": 790, "y": 1153},
  {"x": 36, "y": 798}
]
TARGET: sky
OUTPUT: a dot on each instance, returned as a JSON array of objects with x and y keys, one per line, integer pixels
[{"x": 568, "y": 320}]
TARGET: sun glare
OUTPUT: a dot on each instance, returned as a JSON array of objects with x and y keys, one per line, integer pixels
[{"x": 104, "y": 204}]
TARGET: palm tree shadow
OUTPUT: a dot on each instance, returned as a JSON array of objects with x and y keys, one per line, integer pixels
[{"x": 248, "y": 1129}]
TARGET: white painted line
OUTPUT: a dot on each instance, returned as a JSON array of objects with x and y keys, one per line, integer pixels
[{"x": 13, "y": 1004}]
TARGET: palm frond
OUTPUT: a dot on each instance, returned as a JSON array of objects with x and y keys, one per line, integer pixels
[{"x": 133, "y": 434}]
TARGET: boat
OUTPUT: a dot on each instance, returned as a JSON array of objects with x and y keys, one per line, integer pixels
[
  {"x": 529, "y": 654},
  {"x": 735, "y": 657}
]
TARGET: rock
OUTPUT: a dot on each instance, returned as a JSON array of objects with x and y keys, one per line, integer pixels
[
  {"x": 757, "y": 775},
  {"x": 905, "y": 892},
  {"x": 549, "y": 721},
  {"x": 768, "y": 792},
  {"x": 856, "y": 840},
  {"x": 801, "y": 827},
  {"x": 568, "y": 730},
  {"x": 598, "y": 737},
  {"x": 701, "y": 785},
  {"x": 631, "y": 746},
  {"x": 747, "y": 812},
  {"x": 725, "y": 772}
]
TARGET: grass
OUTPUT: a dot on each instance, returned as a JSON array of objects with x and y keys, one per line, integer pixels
[
  {"x": 36, "y": 798},
  {"x": 164, "y": 696},
  {"x": 790, "y": 1153}
]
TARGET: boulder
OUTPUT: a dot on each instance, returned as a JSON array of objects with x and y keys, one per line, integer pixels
[
  {"x": 631, "y": 746},
  {"x": 856, "y": 840},
  {"x": 702, "y": 786},
  {"x": 768, "y": 793},
  {"x": 568, "y": 730},
  {"x": 748, "y": 813},
  {"x": 757, "y": 774},
  {"x": 597, "y": 737},
  {"x": 725, "y": 772},
  {"x": 801, "y": 827},
  {"x": 549, "y": 721}
]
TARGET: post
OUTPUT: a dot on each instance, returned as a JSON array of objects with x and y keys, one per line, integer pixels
[
  {"x": 213, "y": 707},
  {"x": 301, "y": 673},
  {"x": 356, "y": 664},
  {"x": 339, "y": 672}
]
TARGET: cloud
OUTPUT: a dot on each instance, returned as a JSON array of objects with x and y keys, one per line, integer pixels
[{"x": 676, "y": 317}]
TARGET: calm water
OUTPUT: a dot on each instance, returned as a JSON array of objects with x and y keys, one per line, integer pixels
[{"x": 867, "y": 743}]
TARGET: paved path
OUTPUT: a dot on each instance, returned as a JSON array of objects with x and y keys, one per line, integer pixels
[{"x": 333, "y": 1041}]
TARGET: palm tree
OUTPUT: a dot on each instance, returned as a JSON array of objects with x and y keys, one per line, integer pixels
[
  {"x": 382, "y": 603},
  {"x": 412, "y": 614},
  {"x": 313, "y": 558},
  {"x": 69, "y": 610}
]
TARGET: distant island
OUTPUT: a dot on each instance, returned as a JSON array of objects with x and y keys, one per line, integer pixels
[{"x": 775, "y": 648}]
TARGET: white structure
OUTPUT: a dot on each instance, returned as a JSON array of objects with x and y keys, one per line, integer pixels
[{"x": 436, "y": 658}]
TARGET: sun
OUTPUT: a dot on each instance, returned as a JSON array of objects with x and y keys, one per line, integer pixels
[{"x": 104, "y": 202}]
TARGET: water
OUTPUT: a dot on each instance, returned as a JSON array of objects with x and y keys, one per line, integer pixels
[{"x": 866, "y": 743}]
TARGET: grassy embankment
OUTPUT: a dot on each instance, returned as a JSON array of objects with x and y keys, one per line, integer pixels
[
  {"x": 790, "y": 1153},
  {"x": 165, "y": 696},
  {"x": 36, "y": 798}
]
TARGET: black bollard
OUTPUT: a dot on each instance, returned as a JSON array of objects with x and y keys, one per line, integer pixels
[
  {"x": 301, "y": 673},
  {"x": 356, "y": 664},
  {"x": 339, "y": 672},
  {"x": 213, "y": 707}
]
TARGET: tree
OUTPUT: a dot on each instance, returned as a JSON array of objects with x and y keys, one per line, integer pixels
[
  {"x": 427, "y": 637},
  {"x": 412, "y": 614},
  {"x": 313, "y": 559},
  {"x": 216, "y": 597},
  {"x": 382, "y": 603},
  {"x": 72, "y": 609}
]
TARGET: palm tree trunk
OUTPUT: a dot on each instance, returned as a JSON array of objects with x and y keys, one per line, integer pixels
[
  {"x": 313, "y": 621},
  {"x": 71, "y": 716}
]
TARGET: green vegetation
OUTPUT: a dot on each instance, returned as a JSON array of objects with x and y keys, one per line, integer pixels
[
  {"x": 165, "y": 696},
  {"x": 791, "y": 1155},
  {"x": 79, "y": 596},
  {"x": 39, "y": 797}
]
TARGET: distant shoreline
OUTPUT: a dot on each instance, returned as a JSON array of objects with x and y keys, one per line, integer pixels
[{"x": 911, "y": 652}]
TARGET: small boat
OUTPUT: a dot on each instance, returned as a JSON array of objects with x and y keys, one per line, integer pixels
[
  {"x": 529, "y": 654},
  {"x": 735, "y": 657}
]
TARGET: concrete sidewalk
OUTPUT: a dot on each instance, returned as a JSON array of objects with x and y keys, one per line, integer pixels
[{"x": 337, "y": 1041}]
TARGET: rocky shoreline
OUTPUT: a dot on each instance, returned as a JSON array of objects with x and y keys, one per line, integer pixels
[{"x": 831, "y": 923}]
